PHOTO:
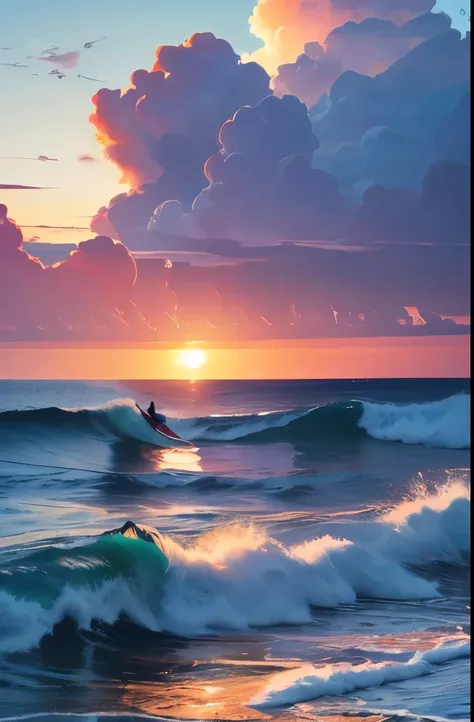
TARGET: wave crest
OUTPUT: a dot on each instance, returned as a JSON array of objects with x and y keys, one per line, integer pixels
[{"x": 443, "y": 423}]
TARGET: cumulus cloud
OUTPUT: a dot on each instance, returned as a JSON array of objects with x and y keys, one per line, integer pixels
[
  {"x": 453, "y": 136},
  {"x": 391, "y": 129},
  {"x": 261, "y": 185},
  {"x": 390, "y": 133},
  {"x": 19, "y": 274},
  {"x": 438, "y": 214},
  {"x": 172, "y": 114},
  {"x": 325, "y": 221},
  {"x": 368, "y": 47},
  {"x": 428, "y": 82},
  {"x": 161, "y": 131},
  {"x": 262, "y": 174},
  {"x": 88, "y": 294},
  {"x": 285, "y": 26}
]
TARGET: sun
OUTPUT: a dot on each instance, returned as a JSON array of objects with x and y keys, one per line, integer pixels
[{"x": 192, "y": 359}]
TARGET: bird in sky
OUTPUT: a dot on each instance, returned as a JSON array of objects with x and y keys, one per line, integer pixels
[
  {"x": 50, "y": 51},
  {"x": 15, "y": 65},
  {"x": 93, "y": 42},
  {"x": 95, "y": 80}
]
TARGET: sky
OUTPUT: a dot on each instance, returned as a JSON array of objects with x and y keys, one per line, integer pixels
[
  {"x": 46, "y": 116},
  {"x": 291, "y": 171},
  {"x": 434, "y": 357}
]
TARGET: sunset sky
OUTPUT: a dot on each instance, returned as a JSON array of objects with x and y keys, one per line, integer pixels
[
  {"x": 237, "y": 173},
  {"x": 46, "y": 116},
  {"x": 432, "y": 357}
]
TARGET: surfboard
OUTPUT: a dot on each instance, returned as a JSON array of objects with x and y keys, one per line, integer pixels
[{"x": 174, "y": 441}]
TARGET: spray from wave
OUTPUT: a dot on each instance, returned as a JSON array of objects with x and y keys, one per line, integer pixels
[{"x": 212, "y": 584}]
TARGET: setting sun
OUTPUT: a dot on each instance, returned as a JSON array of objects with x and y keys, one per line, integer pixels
[{"x": 192, "y": 359}]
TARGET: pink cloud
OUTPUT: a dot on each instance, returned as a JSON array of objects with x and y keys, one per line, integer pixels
[{"x": 63, "y": 60}]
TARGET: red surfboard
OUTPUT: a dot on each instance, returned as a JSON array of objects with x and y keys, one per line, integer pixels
[{"x": 164, "y": 430}]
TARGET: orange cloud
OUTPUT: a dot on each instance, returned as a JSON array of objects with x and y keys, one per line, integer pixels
[{"x": 285, "y": 26}]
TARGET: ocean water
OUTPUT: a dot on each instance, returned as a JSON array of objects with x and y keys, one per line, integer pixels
[{"x": 312, "y": 559}]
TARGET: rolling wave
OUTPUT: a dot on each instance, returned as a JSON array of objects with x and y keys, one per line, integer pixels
[
  {"x": 99, "y": 578},
  {"x": 212, "y": 584},
  {"x": 116, "y": 420},
  {"x": 444, "y": 424},
  {"x": 309, "y": 682}
]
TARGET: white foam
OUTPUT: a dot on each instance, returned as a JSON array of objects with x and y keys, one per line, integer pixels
[
  {"x": 216, "y": 582},
  {"x": 310, "y": 682},
  {"x": 445, "y": 423},
  {"x": 431, "y": 527},
  {"x": 23, "y": 623}
]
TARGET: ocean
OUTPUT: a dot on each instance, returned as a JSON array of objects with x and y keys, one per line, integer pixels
[{"x": 311, "y": 561}]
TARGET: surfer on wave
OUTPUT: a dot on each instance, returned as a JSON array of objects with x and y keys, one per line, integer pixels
[{"x": 159, "y": 418}]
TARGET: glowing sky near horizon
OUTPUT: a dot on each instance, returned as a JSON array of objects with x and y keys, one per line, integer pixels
[
  {"x": 363, "y": 358},
  {"x": 46, "y": 116}
]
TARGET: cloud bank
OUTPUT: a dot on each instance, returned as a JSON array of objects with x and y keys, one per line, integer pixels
[
  {"x": 87, "y": 293},
  {"x": 169, "y": 119},
  {"x": 274, "y": 169},
  {"x": 368, "y": 47},
  {"x": 322, "y": 201},
  {"x": 285, "y": 26}
]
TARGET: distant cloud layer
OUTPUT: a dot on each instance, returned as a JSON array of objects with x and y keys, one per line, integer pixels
[{"x": 16, "y": 187}]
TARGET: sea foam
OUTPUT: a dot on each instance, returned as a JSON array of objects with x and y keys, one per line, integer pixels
[{"x": 309, "y": 682}]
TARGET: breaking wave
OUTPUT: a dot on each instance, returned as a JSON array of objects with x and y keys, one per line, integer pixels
[{"x": 211, "y": 585}]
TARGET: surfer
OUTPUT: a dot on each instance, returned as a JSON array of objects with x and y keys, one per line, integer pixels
[{"x": 160, "y": 418}]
